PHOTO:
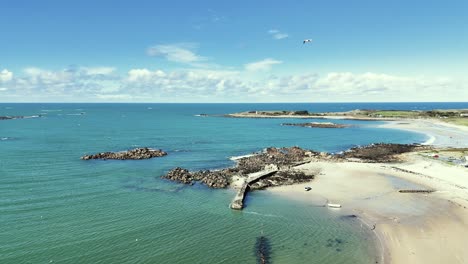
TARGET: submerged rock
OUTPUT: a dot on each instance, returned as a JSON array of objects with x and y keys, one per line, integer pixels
[
  {"x": 262, "y": 250},
  {"x": 134, "y": 154}
]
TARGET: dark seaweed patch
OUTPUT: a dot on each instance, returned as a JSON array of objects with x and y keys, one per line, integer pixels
[
  {"x": 262, "y": 250},
  {"x": 335, "y": 243}
]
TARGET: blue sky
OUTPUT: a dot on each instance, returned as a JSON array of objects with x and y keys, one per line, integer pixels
[{"x": 233, "y": 51}]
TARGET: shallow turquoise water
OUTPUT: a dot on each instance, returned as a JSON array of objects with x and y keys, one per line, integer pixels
[{"x": 56, "y": 207}]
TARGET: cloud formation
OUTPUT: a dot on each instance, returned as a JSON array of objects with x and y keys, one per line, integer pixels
[
  {"x": 180, "y": 53},
  {"x": 276, "y": 34},
  {"x": 202, "y": 85},
  {"x": 262, "y": 65},
  {"x": 5, "y": 75}
]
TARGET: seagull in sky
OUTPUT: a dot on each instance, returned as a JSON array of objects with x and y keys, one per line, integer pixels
[{"x": 307, "y": 41}]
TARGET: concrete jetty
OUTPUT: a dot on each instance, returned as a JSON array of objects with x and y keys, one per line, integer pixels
[{"x": 238, "y": 202}]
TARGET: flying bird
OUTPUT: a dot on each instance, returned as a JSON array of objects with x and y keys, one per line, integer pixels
[{"x": 306, "y": 41}]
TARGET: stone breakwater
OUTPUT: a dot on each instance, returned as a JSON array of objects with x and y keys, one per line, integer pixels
[
  {"x": 317, "y": 124},
  {"x": 133, "y": 154}
]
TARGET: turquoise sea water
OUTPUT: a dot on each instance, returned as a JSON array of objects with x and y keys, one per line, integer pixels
[{"x": 56, "y": 207}]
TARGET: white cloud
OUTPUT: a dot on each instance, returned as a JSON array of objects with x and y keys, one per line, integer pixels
[
  {"x": 195, "y": 85},
  {"x": 136, "y": 75},
  {"x": 98, "y": 70},
  {"x": 114, "y": 96},
  {"x": 263, "y": 65},
  {"x": 181, "y": 53},
  {"x": 276, "y": 34},
  {"x": 5, "y": 75}
]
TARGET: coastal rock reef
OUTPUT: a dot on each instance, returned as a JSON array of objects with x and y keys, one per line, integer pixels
[
  {"x": 285, "y": 159},
  {"x": 381, "y": 152},
  {"x": 133, "y": 154}
]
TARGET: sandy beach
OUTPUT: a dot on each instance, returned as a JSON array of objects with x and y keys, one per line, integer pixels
[
  {"x": 409, "y": 227},
  {"x": 440, "y": 134}
]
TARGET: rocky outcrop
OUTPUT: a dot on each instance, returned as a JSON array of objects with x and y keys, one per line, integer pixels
[
  {"x": 10, "y": 117},
  {"x": 381, "y": 152},
  {"x": 283, "y": 158},
  {"x": 180, "y": 175},
  {"x": 213, "y": 179},
  {"x": 284, "y": 177},
  {"x": 134, "y": 154},
  {"x": 317, "y": 124},
  {"x": 18, "y": 117}
]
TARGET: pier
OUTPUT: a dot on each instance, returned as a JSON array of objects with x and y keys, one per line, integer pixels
[{"x": 238, "y": 202}]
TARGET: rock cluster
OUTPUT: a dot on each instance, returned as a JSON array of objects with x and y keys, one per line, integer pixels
[
  {"x": 284, "y": 177},
  {"x": 381, "y": 152},
  {"x": 10, "y": 117},
  {"x": 281, "y": 157},
  {"x": 317, "y": 124},
  {"x": 213, "y": 179},
  {"x": 285, "y": 159},
  {"x": 18, "y": 117},
  {"x": 180, "y": 175},
  {"x": 134, "y": 154}
]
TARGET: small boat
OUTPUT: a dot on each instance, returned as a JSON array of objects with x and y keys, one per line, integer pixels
[
  {"x": 307, "y": 188},
  {"x": 334, "y": 205}
]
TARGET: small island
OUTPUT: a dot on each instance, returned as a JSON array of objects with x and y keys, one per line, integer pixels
[
  {"x": 454, "y": 116},
  {"x": 317, "y": 124},
  {"x": 134, "y": 154}
]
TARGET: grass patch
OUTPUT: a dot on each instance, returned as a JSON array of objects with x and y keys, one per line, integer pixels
[
  {"x": 461, "y": 121},
  {"x": 407, "y": 114}
]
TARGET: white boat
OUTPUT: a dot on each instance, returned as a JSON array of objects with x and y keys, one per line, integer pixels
[
  {"x": 307, "y": 188},
  {"x": 334, "y": 205}
]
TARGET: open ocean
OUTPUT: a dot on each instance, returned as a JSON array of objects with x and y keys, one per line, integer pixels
[{"x": 56, "y": 208}]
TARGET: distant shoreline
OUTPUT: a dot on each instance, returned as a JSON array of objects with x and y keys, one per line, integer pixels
[{"x": 455, "y": 116}]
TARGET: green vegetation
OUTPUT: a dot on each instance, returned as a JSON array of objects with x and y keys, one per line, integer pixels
[
  {"x": 461, "y": 121},
  {"x": 404, "y": 114}
]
